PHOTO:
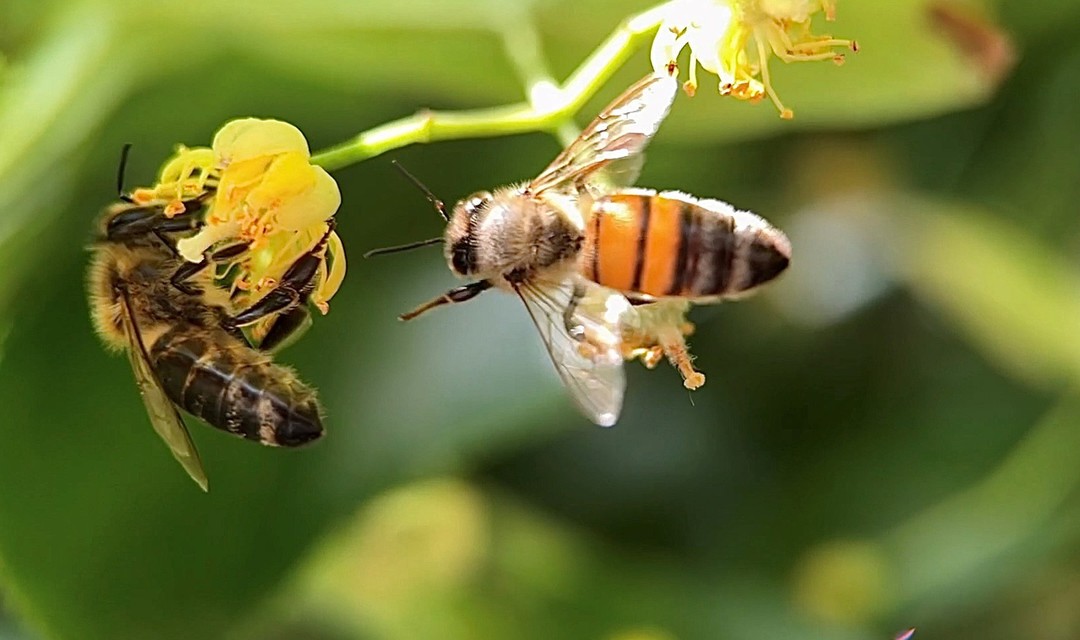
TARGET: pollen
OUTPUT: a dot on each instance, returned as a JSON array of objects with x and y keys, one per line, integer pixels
[{"x": 659, "y": 330}]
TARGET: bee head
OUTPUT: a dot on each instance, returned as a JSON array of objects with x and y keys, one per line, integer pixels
[{"x": 461, "y": 244}]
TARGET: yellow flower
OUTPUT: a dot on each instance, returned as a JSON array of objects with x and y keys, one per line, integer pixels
[
  {"x": 186, "y": 176},
  {"x": 265, "y": 185},
  {"x": 734, "y": 39},
  {"x": 262, "y": 190},
  {"x": 260, "y": 270}
]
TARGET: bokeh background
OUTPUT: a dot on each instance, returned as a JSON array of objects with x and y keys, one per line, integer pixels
[{"x": 889, "y": 437}]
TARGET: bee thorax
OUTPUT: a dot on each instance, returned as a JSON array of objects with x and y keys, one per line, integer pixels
[{"x": 509, "y": 233}]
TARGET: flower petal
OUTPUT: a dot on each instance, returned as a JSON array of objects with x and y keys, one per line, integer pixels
[
  {"x": 790, "y": 10},
  {"x": 192, "y": 249},
  {"x": 335, "y": 253},
  {"x": 249, "y": 138},
  {"x": 316, "y": 204}
]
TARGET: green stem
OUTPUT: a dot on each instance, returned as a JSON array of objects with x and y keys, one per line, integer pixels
[{"x": 549, "y": 114}]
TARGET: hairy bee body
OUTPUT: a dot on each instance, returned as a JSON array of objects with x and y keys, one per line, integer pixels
[
  {"x": 640, "y": 242},
  {"x": 200, "y": 363},
  {"x": 606, "y": 272},
  {"x": 670, "y": 244},
  {"x": 492, "y": 234},
  {"x": 214, "y": 376}
]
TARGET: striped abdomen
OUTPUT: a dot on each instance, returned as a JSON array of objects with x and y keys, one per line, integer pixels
[
  {"x": 671, "y": 244},
  {"x": 234, "y": 388}
]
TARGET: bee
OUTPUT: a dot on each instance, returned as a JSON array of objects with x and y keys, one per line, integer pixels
[
  {"x": 582, "y": 251},
  {"x": 187, "y": 349}
]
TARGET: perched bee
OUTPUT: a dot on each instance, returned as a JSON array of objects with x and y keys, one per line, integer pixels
[
  {"x": 582, "y": 251},
  {"x": 185, "y": 346}
]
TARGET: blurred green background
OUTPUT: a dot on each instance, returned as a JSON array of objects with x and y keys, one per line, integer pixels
[{"x": 889, "y": 437}]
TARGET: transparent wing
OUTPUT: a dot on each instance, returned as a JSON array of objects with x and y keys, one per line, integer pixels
[
  {"x": 619, "y": 133},
  {"x": 579, "y": 324},
  {"x": 163, "y": 414}
]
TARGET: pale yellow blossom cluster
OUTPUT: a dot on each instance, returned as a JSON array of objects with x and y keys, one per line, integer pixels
[{"x": 734, "y": 39}]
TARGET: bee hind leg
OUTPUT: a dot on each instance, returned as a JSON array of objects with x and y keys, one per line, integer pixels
[
  {"x": 463, "y": 293},
  {"x": 285, "y": 330},
  {"x": 673, "y": 343}
]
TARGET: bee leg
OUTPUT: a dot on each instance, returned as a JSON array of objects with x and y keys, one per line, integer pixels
[
  {"x": 138, "y": 221},
  {"x": 185, "y": 271},
  {"x": 235, "y": 332},
  {"x": 160, "y": 235},
  {"x": 574, "y": 329},
  {"x": 228, "y": 252},
  {"x": 463, "y": 293},
  {"x": 296, "y": 285},
  {"x": 294, "y": 288},
  {"x": 286, "y": 329},
  {"x": 673, "y": 344}
]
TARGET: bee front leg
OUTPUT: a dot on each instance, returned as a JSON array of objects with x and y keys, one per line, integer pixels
[
  {"x": 183, "y": 273},
  {"x": 295, "y": 287},
  {"x": 138, "y": 221},
  {"x": 463, "y": 293},
  {"x": 187, "y": 270}
]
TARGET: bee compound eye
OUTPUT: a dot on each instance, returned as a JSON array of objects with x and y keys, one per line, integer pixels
[{"x": 462, "y": 257}]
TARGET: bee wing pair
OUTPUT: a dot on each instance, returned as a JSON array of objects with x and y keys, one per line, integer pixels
[
  {"x": 163, "y": 414},
  {"x": 580, "y": 322}
]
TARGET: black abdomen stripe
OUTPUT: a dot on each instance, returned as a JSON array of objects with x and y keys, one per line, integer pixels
[
  {"x": 723, "y": 249},
  {"x": 708, "y": 252},
  {"x": 594, "y": 263},
  {"x": 235, "y": 389},
  {"x": 687, "y": 224},
  {"x": 643, "y": 236}
]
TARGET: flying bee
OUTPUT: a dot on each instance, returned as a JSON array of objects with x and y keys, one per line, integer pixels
[
  {"x": 590, "y": 257},
  {"x": 186, "y": 347}
]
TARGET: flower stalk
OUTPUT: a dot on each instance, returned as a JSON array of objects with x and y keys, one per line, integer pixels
[
  {"x": 546, "y": 110},
  {"x": 733, "y": 38}
]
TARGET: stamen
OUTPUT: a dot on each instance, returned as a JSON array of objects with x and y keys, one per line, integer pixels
[
  {"x": 691, "y": 85},
  {"x": 785, "y": 113}
]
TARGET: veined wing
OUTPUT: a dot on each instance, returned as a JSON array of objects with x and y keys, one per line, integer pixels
[
  {"x": 620, "y": 132},
  {"x": 579, "y": 323},
  {"x": 163, "y": 414}
]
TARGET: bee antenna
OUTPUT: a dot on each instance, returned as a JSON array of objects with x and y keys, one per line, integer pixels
[
  {"x": 439, "y": 205},
  {"x": 403, "y": 247},
  {"x": 120, "y": 173}
]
